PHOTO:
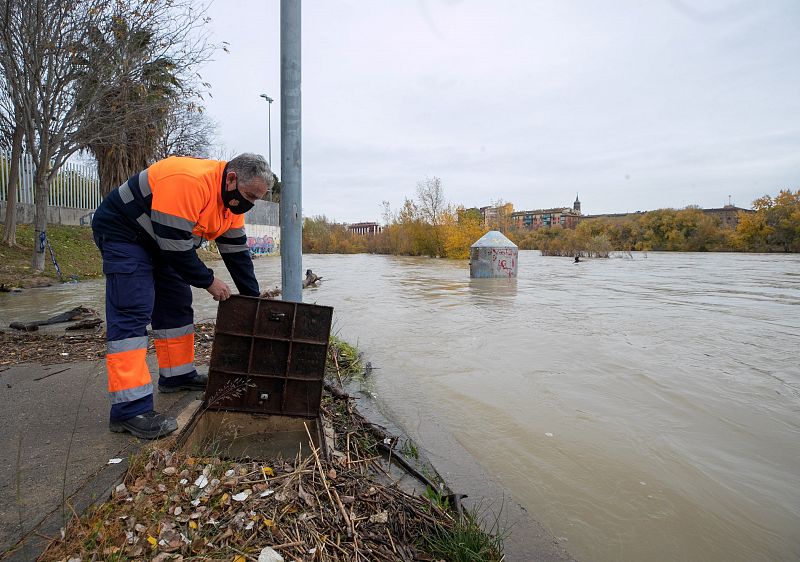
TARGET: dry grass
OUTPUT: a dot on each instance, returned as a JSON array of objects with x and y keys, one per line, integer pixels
[
  {"x": 173, "y": 506},
  {"x": 52, "y": 348},
  {"x": 177, "y": 506}
]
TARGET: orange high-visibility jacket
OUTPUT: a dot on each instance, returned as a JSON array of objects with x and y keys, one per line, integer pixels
[{"x": 177, "y": 203}]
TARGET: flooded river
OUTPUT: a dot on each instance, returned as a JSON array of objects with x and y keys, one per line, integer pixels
[{"x": 641, "y": 409}]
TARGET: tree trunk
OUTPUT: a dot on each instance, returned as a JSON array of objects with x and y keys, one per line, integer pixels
[
  {"x": 41, "y": 187},
  {"x": 10, "y": 234}
]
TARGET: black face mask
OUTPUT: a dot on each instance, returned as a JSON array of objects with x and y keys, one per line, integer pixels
[{"x": 235, "y": 201}]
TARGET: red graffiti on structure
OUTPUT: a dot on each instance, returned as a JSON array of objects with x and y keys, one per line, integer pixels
[{"x": 502, "y": 256}]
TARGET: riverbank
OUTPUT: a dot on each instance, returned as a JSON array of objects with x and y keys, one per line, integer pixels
[
  {"x": 159, "y": 510},
  {"x": 74, "y": 250}
]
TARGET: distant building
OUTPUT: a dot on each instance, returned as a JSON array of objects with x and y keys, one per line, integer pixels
[
  {"x": 365, "y": 228},
  {"x": 545, "y": 218},
  {"x": 493, "y": 217},
  {"x": 728, "y": 215},
  {"x": 613, "y": 215}
]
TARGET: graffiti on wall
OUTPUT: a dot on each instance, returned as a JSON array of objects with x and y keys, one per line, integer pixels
[
  {"x": 505, "y": 260},
  {"x": 261, "y": 245}
]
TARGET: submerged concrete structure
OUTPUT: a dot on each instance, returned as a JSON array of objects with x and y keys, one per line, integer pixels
[{"x": 493, "y": 255}]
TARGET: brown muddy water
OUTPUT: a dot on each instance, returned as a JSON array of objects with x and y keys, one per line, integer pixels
[{"x": 640, "y": 409}]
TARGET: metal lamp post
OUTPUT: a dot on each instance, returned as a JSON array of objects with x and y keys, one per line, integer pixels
[{"x": 269, "y": 126}]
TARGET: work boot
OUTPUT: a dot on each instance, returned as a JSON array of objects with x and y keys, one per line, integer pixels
[
  {"x": 198, "y": 382},
  {"x": 150, "y": 425}
]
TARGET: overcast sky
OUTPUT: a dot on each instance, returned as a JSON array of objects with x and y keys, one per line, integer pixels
[{"x": 634, "y": 105}]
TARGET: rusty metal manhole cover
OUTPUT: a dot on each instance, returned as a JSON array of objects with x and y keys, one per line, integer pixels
[{"x": 269, "y": 357}]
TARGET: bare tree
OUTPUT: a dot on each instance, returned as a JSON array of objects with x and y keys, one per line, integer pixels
[
  {"x": 432, "y": 207},
  {"x": 75, "y": 70},
  {"x": 386, "y": 214},
  {"x": 11, "y": 132},
  {"x": 43, "y": 45},
  {"x": 10, "y": 228},
  {"x": 188, "y": 131},
  {"x": 431, "y": 200}
]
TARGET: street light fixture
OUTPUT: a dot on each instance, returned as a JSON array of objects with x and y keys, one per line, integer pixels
[{"x": 269, "y": 125}]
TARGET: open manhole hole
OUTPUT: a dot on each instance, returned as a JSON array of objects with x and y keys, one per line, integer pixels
[{"x": 265, "y": 381}]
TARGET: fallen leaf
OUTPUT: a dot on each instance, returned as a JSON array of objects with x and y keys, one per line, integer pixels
[
  {"x": 239, "y": 558},
  {"x": 269, "y": 522},
  {"x": 152, "y": 540},
  {"x": 380, "y": 517},
  {"x": 268, "y": 471},
  {"x": 192, "y": 525},
  {"x": 202, "y": 481},
  {"x": 305, "y": 496}
]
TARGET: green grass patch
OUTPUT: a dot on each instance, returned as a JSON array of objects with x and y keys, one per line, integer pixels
[
  {"x": 410, "y": 449},
  {"x": 466, "y": 540},
  {"x": 344, "y": 360},
  {"x": 74, "y": 249}
]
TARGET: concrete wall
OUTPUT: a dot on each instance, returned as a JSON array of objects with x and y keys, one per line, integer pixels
[
  {"x": 493, "y": 262},
  {"x": 55, "y": 215},
  {"x": 264, "y": 212},
  {"x": 261, "y": 224}
]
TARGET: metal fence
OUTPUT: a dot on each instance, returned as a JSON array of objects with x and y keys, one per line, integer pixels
[{"x": 76, "y": 186}]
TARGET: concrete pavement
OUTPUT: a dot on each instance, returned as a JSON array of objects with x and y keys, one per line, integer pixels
[{"x": 55, "y": 445}]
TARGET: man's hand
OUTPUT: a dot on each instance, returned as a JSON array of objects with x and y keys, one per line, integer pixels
[{"x": 219, "y": 290}]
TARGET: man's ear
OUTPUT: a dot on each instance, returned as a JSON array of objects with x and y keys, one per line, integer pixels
[{"x": 230, "y": 177}]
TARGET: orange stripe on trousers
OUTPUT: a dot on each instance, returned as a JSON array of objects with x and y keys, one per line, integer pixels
[
  {"x": 127, "y": 369},
  {"x": 174, "y": 352}
]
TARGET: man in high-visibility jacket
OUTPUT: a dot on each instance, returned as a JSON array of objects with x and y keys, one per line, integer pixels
[{"x": 148, "y": 230}]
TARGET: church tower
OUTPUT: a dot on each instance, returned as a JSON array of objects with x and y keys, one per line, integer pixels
[{"x": 577, "y": 204}]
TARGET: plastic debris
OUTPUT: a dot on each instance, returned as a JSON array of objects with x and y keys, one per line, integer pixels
[
  {"x": 269, "y": 555},
  {"x": 114, "y": 461},
  {"x": 241, "y": 496},
  {"x": 202, "y": 481}
]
